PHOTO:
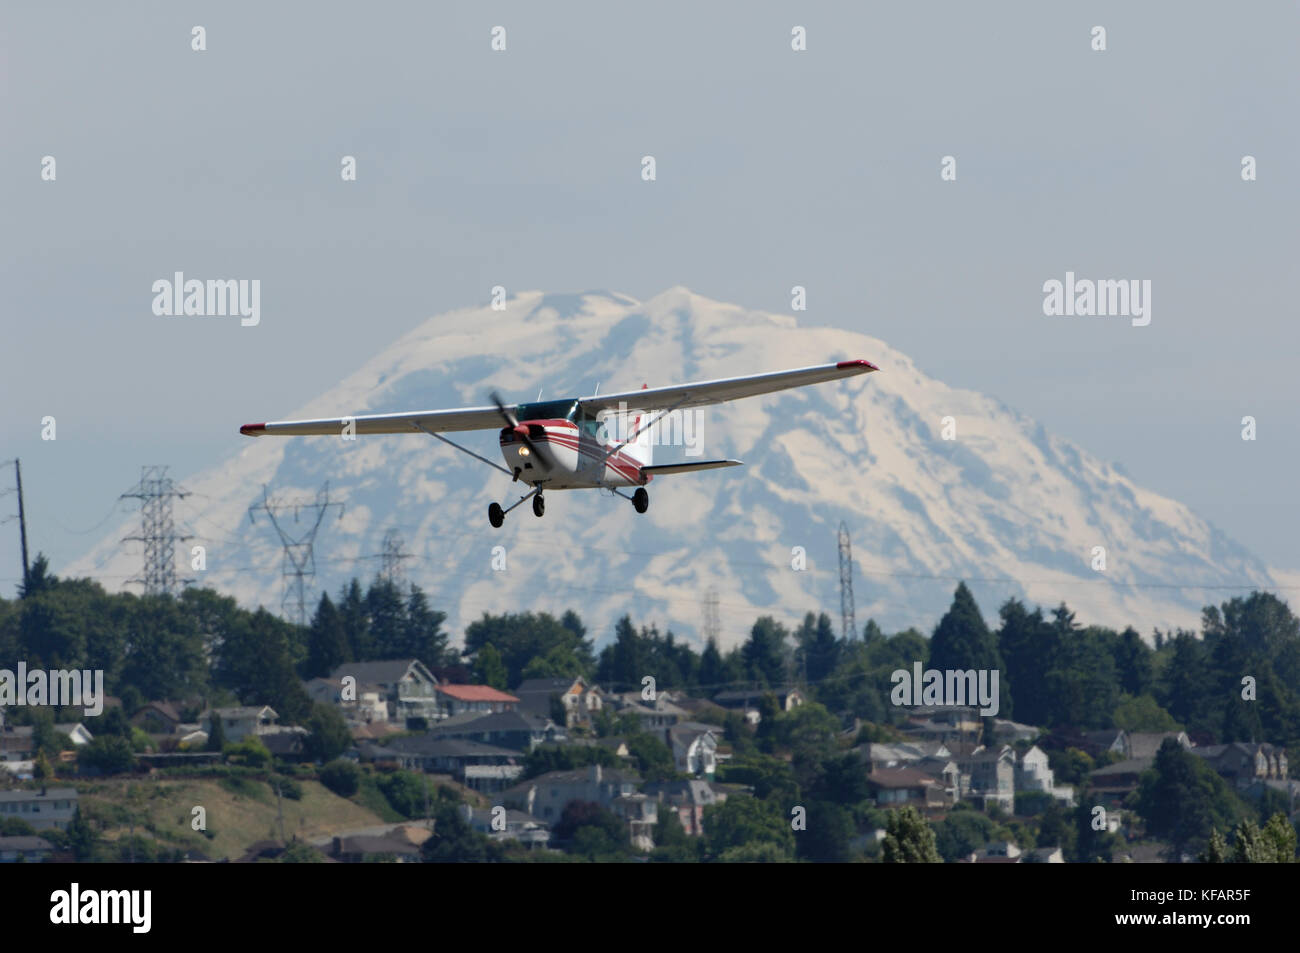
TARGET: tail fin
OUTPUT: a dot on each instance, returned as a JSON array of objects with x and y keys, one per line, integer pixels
[{"x": 641, "y": 449}]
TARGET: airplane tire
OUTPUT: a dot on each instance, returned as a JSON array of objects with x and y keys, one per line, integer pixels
[
  {"x": 641, "y": 500},
  {"x": 539, "y": 505},
  {"x": 495, "y": 515}
]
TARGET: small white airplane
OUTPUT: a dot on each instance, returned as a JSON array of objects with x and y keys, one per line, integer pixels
[{"x": 563, "y": 444}]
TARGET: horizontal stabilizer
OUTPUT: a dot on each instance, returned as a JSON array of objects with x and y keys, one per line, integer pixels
[{"x": 687, "y": 467}]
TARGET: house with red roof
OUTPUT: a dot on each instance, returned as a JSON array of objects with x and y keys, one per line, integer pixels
[{"x": 482, "y": 699}]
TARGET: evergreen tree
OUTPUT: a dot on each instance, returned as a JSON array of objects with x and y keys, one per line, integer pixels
[
  {"x": 909, "y": 839},
  {"x": 387, "y": 613},
  {"x": 819, "y": 649},
  {"x": 327, "y": 641},
  {"x": 1133, "y": 663},
  {"x": 1182, "y": 800},
  {"x": 356, "y": 622},
  {"x": 764, "y": 653},
  {"x": 425, "y": 638},
  {"x": 713, "y": 671}
]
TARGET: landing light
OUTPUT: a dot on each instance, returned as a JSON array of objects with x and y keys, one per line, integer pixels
[{"x": 523, "y": 451}]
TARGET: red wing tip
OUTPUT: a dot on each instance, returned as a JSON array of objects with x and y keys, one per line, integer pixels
[
  {"x": 859, "y": 363},
  {"x": 253, "y": 430}
]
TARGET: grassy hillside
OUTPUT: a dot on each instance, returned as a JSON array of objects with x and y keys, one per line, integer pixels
[{"x": 240, "y": 811}]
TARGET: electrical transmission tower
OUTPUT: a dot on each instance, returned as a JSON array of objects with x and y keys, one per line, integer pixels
[
  {"x": 390, "y": 566},
  {"x": 299, "y": 564},
  {"x": 850, "y": 627},
  {"x": 710, "y": 606},
  {"x": 21, "y": 517},
  {"x": 155, "y": 491}
]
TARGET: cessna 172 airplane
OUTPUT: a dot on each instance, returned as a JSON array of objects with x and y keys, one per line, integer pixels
[{"x": 562, "y": 444}]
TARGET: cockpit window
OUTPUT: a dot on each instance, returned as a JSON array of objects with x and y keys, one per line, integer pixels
[{"x": 547, "y": 410}]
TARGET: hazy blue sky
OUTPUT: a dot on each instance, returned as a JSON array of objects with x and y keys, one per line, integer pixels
[{"x": 775, "y": 168}]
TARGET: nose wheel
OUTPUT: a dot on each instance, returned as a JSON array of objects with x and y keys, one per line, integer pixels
[
  {"x": 497, "y": 515},
  {"x": 641, "y": 500}
]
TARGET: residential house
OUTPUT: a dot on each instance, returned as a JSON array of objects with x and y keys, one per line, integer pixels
[
  {"x": 368, "y": 848},
  {"x": 694, "y": 747},
  {"x": 406, "y": 685},
  {"x": 581, "y": 701},
  {"x": 1033, "y": 773},
  {"x": 1243, "y": 763},
  {"x": 20, "y": 849},
  {"x": 1044, "y": 855},
  {"x": 506, "y": 729},
  {"x": 641, "y": 813},
  {"x": 484, "y": 768},
  {"x": 43, "y": 810},
  {"x": 546, "y": 795},
  {"x": 992, "y": 774},
  {"x": 898, "y": 787},
  {"x": 996, "y": 852},
  {"x": 239, "y": 722},
  {"x": 501, "y": 823},
  {"x": 480, "y": 699},
  {"x": 1145, "y": 744},
  {"x": 1113, "y": 783},
  {"x": 359, "y": 705},
  {"x": 688, "y": 799},
  {"x": 159, "y": 718},
  {"x": 747, "y": 701}
]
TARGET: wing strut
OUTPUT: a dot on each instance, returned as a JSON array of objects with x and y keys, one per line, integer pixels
[{"x": 431, "y": 433}]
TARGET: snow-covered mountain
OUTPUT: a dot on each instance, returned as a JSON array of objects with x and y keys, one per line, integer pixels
[{"x": 1004, "y": 505}]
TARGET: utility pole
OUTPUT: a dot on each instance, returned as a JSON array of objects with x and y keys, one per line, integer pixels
[
  {"x": 849, "y": 625},
  {"x": 710, "y": 609},
  {"x": 156, "y": 491},
  {"x": 390, "y": 567},
  {"x": 22, "y": 523},
  {"x": 299, "y": 563}
]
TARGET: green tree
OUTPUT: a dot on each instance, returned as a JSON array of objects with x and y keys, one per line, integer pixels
[
  {"x": 327, "y": 640},
  {"x": 1275, "y": 843},
  {"x": 909, "y": 839},
  {"x": 764, "y": 653},
  {"x": 1182, "y": 800},
  {"x": 488, "y": 668},
  {"x": 742, "y": 821},
  {"x": 1143, "y": 713},
  {"x": 328, "y": 734},
  {"x": 107, "y": 754},
  {"x": 341, "y": 777}
]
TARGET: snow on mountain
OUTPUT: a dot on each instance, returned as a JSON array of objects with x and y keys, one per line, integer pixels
[{"x": 1004, "y": 505}]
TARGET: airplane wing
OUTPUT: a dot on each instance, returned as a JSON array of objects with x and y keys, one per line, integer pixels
[
  {"x": 439, "y": 421},
  {"x": 729, "y": 388}
]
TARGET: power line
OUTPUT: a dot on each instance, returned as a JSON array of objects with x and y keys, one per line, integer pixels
[
  {"x": 156, "y": 491},
  {"x": 849, "y": 626},
  {"x": 392, "y": 557},
  {"x": 299, "y": 563}
]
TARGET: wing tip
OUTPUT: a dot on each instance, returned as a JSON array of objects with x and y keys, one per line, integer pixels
[
  {"x": 253, "y": 430},
  {"x": 843, "y": 365}
]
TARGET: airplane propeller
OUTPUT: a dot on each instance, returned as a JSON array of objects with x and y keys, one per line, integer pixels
[{"x": 542, "y": 453}]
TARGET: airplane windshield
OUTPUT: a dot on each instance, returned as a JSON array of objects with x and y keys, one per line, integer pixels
[{"x": 547, "y": 410}]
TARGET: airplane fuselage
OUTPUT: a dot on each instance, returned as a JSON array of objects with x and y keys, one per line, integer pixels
[{"x": 580, "y": 459}]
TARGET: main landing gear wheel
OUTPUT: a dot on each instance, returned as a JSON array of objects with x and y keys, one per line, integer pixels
[
  {"x": 539, "y": 505},
  {"x": 496, "y": 516},
  {"x": 641, "y": 500}
]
